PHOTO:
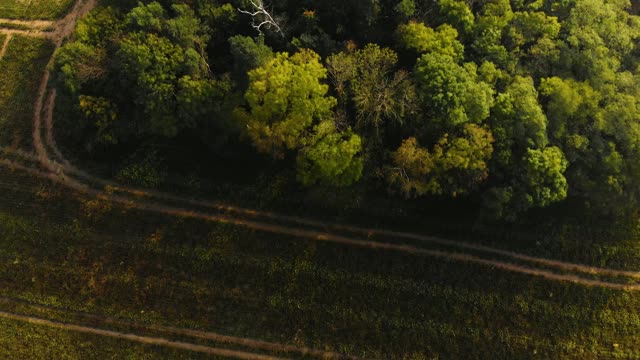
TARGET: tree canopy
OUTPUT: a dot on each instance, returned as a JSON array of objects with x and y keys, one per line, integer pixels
[{"x": 515, "y": 104}]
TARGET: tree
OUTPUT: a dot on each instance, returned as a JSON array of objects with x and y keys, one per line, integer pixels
[
  {"x": 489, "y": 29},
  {"x": 455, "y": 166},
  {"x": 151, "y": 66},
  {"x": 99, "y": 27},
  {"x": 261, "y": 17},
  {"x": 78, "y": 64},
  {"x": 101, "y": 113},
  {"x": 285, "y": 97},
  {"x": 406, "y": 9},
  {"x": 544, "y": 177},
  {"x": 331, "y": 158},
  {"x": 379, "y": 93},
  {"x": 417, "y": 36},
  {"x": 601, "y": 35},
  {"x": 518, "y": 122},
  {"x": 248, "y": 54},
  {"x": 458, "y": 14},
  {"x": 452, "y": 94},
  {"x": 571, "y": 108},
  {"x": 538, "y": 181},
  {"x": 527, "y": 28}
]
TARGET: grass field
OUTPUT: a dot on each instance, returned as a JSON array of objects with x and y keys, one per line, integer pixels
[
  {"x": 34, "y": 9},
  {"x": 21, "y": 69},
  {"x": 221, "y": 278}
]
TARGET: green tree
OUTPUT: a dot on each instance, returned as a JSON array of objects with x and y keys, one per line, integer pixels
[
  {"x": 285, "y": 98},
  {"x": 99, "y": 27},
  {"x": 600, "y": 36},
  {"x": 455, "y": 166},
  {"x": 331, "y": 157},
  {"x": 248, "y": 54},
  {"x": 518, "y": 122},
  {"x": 538, "y": 181},
  {"x": 406, "y": 9},
  {"x": 101, "y": 113},
  {"x": 458, "y": 14},
  {"x": 378, "y": 91},
  {"x": 451, "y": 93},
  {"x": 489, "y": 29},
  {"x": 151, "y": 65},
  {"x": 78, "y": 64},
  {"x": 544, "y": 177},
  {"x": 423, "y": 39}
]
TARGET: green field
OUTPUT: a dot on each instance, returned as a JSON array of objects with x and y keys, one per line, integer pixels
[
  {"x": 21, "y": 70},
  {"x": 34, "y": 9},
  {"x": 231, "y": 280}
]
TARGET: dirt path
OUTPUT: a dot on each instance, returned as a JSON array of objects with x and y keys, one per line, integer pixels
[
  {"x": 32, "y": 33},
  {"x": 33, "y": 24},
  {"x": 65, "y": 27},
  {"x": 206, "y": 335},
  {"x": 5, "y": 45},
  {"x": 138, "y": 338}
]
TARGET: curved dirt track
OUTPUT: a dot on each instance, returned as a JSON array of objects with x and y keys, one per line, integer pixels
[
  {"x": 5, "y": 45},
  {"x": 64, "y": 166}
]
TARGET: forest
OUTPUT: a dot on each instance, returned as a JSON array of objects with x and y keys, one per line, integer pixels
[{"x": 516, "y": 105}]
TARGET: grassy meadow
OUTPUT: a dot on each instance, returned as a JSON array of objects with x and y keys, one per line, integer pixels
[{"x": 21, "y": 70}]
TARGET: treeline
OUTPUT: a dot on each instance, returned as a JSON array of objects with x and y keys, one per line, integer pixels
[{"x": 519, "y": 103}]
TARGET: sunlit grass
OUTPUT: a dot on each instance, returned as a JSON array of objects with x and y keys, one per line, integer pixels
[{"x": 33, "y": 9}]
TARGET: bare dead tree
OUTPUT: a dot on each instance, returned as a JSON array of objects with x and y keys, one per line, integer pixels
[{"x": 261, "y": 17}]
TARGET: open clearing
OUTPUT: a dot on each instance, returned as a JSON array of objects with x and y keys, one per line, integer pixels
[{"x": 34, "y": 9}]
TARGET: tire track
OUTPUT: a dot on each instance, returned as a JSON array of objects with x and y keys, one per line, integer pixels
[
  {"x": 5, "y": 45},
  {"x": 148, "y": 340},
  {"x": 206, "y": 335}
]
